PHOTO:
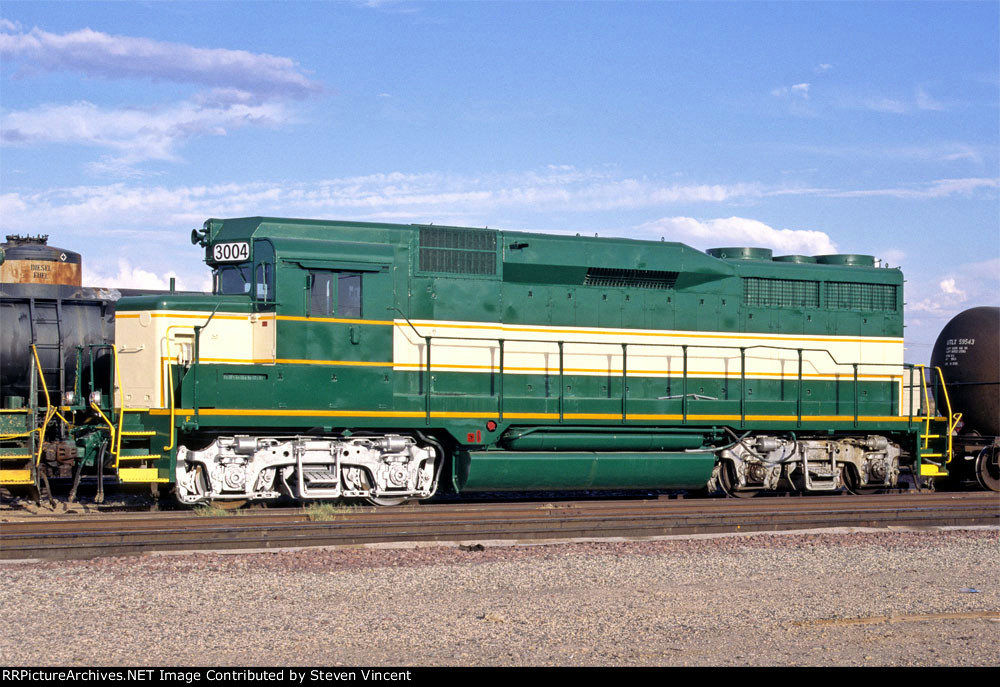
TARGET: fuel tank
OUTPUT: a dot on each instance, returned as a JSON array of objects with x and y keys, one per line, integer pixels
[{"x": 30, "y": 260}]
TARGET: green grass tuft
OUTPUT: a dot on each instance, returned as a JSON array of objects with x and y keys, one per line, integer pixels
[
  {"x": 328, "y": 511},
  {"x": 209, "y": 510}
]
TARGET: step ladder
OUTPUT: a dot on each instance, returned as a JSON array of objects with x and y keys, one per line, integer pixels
[
  {"x": 45, "y": 320},
  {"x": 135, "y": 460},
  {"x": 935, "y": 448},
  {"x": 19, "y": 439}
]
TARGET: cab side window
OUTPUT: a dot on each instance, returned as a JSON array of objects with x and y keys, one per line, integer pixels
[
  {"x": 349, "y": 294},
  {"x": 322, "y": 296},
  {"x": 265, "y": 281},
  {"x": 335, "y": 294}
]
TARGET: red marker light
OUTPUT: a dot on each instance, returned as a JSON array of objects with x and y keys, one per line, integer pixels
[{"x": 491, "y": 426}]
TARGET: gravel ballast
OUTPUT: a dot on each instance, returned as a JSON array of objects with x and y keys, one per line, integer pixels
[{"x": 851, "y": 598}]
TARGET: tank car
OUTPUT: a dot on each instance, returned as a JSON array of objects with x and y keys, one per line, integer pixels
[
  {"x": 966, "y": 360},
  {"x": 56, "y": 362},
  {"x": 384, "y": 362}
]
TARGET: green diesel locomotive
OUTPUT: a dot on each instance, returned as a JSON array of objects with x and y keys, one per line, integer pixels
[{"x": 383, "y": 362}]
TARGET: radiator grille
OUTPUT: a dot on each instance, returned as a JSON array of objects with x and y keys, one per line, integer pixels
[
  {"x": 780, "y": 293},
  {"x": 458, "y": 251},
  {"x": 845, "y": 295}
]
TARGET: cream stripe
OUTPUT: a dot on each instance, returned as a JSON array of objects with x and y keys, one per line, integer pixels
[{"x": 607, "y": 331}]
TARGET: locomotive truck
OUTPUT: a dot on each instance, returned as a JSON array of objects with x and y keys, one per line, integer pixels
[{"x": 347, "y": 360}]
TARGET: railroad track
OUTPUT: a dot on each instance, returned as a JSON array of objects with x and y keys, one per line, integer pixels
[{"x": 119, "y": 534}]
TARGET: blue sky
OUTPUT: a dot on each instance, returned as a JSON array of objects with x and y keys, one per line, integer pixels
[{"x": 803, "y": 127}]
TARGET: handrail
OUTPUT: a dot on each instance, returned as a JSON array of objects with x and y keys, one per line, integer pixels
[
  {"x": 49, "y": 410},
  {"x": 501, "y": 341},
  {"x": 111, "y": 427},
  {"x": 197, "y": 355},
  {"x": 661, "y": 345},
  {"x": 173, "y": 408},
  {"x": 117, "y": 443},
  {"x": 170, "y": 380},
  {"x": 953, "y": 418}
]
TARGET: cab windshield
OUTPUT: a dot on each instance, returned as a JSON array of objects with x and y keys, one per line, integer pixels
[{"x": 232, "y": 279}]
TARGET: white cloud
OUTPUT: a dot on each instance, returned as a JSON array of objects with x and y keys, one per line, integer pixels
[
  {"x": 961, "y": 151},
  {"x": 390, "y": 6},
  {"x": 127, "y": 57},
  {"x": 892, "y": 256},
  {"x": 887, "y": 105},
  {"x": 897, "y": 103},
  {"x": 932, "y": 300},
  {"x": 740, "y": 231},
  {"x": 245, "y": 89},
  {"x": 418, "y": 197},
  {"x": 948, "y": 287},
  {"x": 800, "y": 90},
  {"x": 947, "y": 151},
  {"x": 820, "y": 68},
  {"x": 136, "y": 134},
  {"x": 422, "y": 197},
  {"x": 130, "y": 276},
  {"x": 937, "y": 189},
  {"x": 926, "y": 102}
]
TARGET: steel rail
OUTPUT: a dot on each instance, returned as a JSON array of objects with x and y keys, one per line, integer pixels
[
  {"x": 116, "y": 536},
  {"x": 132, "y": 519}
]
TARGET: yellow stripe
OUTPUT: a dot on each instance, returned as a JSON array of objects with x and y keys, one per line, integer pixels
[
  {"x": 350, "y": 363},
  {"x": 14, "y": 410},
  {"x": 525, "y": 416},
  {"x": 291, "y": 413},
  {"x": 231, "y": 360},
  {"x": 335, "y": 320},
  {"x": 291, "y": 361},
  {"x": 531, "y": 416},
  {"x": 770, "y": 418},
  {"x": 194, "y": 316}
]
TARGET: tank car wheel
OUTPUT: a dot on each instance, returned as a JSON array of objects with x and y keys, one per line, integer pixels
[
  {"x": 387, "y": 500},
  {"x": 988, "y": 468},
  {"x": 730, "y": 484}
]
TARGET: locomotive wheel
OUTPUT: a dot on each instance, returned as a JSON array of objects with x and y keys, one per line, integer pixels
[
  {"x": 988, "y": 469},
  {"x": 229, "y": 505},
  {"x": 387, "y": 500},
  {"x": 852, "y": 483},
  {"x": 730, "y": 484}
]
